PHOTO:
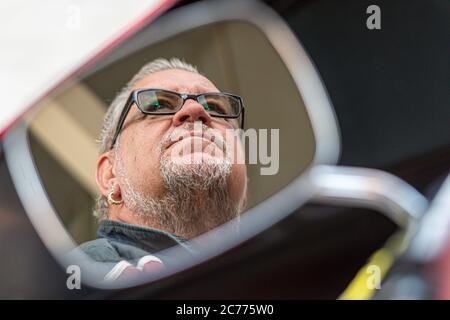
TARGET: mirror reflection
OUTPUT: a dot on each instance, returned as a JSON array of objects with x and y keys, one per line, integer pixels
[{"x": 170, "y": 141}]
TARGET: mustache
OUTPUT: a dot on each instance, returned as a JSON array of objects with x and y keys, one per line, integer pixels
[{"x": 193, "y": 129}]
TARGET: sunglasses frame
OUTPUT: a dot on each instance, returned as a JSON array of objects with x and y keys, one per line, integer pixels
[{"x": 133, "y": 98}]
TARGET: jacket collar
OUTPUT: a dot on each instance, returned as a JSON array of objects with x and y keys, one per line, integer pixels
[{"x": 148, "y": 239}]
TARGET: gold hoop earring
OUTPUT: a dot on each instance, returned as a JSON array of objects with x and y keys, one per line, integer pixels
[{"x": 112, "y": 201}]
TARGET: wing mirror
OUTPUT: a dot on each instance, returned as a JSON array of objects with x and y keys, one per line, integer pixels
[{"x": 244, "y": 48}]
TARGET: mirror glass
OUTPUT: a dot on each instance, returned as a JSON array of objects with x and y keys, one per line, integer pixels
[{"x": 235, "y": 56}]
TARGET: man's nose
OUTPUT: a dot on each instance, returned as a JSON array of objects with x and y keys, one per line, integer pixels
[{"x": 190, "y": 112}]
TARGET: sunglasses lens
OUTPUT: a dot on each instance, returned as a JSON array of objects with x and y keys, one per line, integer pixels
[
  {"x": 155, "y": 101},
  {"x": 220, "y": 105}
]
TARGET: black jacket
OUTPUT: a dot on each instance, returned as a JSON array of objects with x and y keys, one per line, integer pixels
[{"x": 125, "y": 248}]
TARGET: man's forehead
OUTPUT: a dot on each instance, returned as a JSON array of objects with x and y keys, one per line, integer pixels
[{"x": 177, "y": 80}]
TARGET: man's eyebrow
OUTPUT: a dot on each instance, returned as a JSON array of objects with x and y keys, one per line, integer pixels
[{"x": 197, "y": 89}]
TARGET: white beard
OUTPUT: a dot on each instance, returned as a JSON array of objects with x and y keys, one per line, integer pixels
[{"x": 197, "y": 197}]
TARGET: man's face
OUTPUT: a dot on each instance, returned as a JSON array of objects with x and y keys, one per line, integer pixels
[{"x": 147, "y": 141}]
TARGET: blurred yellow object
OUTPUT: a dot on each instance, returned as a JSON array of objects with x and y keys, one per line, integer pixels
[{"x": 361, "y": 288}]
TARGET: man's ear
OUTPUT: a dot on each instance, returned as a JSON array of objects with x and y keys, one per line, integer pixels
[{"x": 104, "y": 173}]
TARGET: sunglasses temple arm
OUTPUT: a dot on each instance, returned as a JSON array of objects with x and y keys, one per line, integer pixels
[
  {"x": 242, "y": 119},
  {"x": 122, "y": 118}
]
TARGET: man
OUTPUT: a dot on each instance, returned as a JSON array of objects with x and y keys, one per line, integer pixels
[{"x": 166, "y": 173}]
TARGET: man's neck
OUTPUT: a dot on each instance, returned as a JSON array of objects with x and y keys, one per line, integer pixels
[{"x": 125, "y": 216}]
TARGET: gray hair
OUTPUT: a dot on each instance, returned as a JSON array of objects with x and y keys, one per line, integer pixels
[{"x": 115, "y": 108}]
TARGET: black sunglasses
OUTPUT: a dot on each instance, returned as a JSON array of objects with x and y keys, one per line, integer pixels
[{"x": 165, "y": 102}]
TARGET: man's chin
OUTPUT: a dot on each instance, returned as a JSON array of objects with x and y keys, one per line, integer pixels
[{"x": 196, "y": 171}]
